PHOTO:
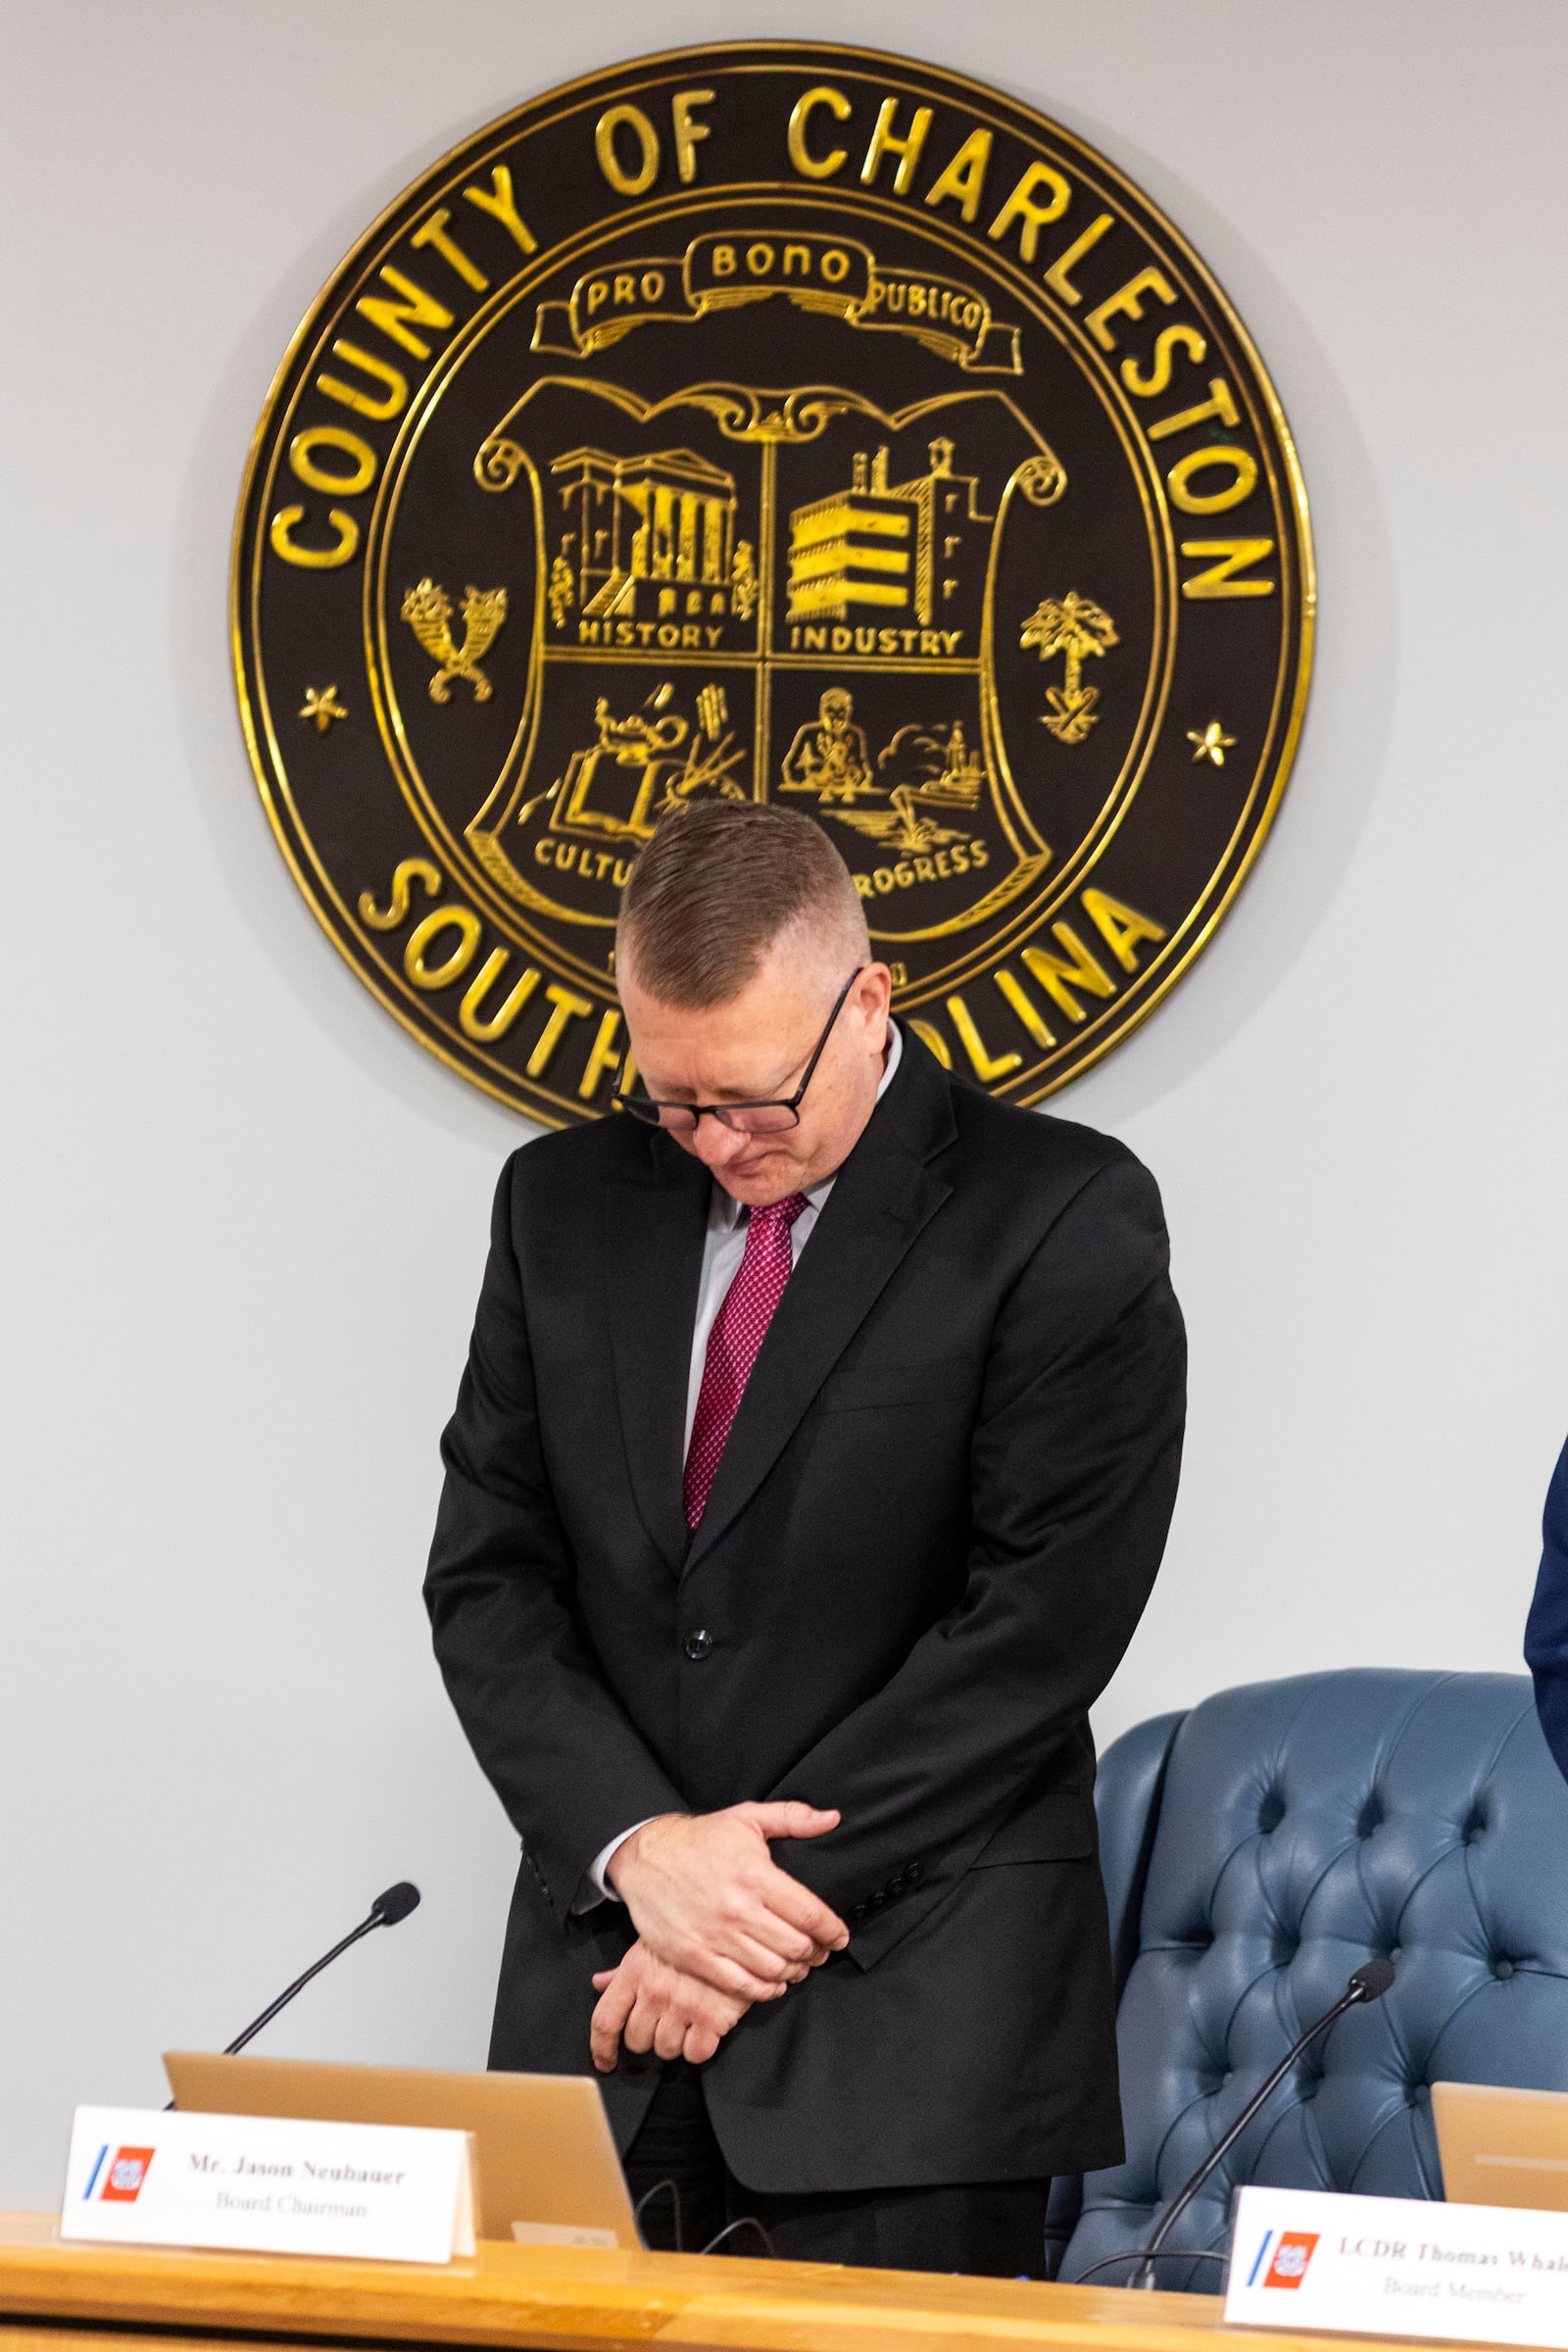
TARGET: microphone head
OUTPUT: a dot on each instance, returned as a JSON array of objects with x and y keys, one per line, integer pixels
[
  {"x": 1371, "y": 1979},
  {"x": 399, "y": 1900}
]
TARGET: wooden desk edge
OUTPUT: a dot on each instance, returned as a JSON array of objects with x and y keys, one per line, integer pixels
[{"x": 562, "y": 2298}]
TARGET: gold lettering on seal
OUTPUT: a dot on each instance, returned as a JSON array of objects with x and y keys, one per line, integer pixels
[
  {"x": 1128, "y": 303},
  {"x": 632, "y": 118},
  {"x": 685, "y": 128},
  {"x": 567, "y": 1005},
  {"x": 1058, "y": 277},
  {"x": 282, "y": 540},
  {"x": 1220, "y": 579},
  {"x": 1031, "y": 216},
  {"x": 965, "y": 177},
  {"x": 1168, "y": 340},
  {"x": 500, "y": 206},
  {"x": 485, "y": 1031},
  {"x": 603, "y": 1055},
  {"x": 807, "y": 164},
  {"x": 1023, "y": 1005},
  {"x": 361, "y": 403},
  {"x": 433, "y": 232},
  {"x": 407, "y": 873},
  {"x": 987, "y": 1065},
  {"x": 1244, "y": 478},
  {"x": 1082, "y": 969},
  {"x": 1219, "y": 404},
  {"x": 688, "y": 130},
  {"x": 1120, "y": 927},
  {"x": 886, "y": 141},
  {"x": 304, "y": 462},
  {"x": 429, "y": 976},
  {"x": 398, "y": 318}
]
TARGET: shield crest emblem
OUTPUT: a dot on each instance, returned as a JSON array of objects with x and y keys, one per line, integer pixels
[{"x": 767, "y": 594}]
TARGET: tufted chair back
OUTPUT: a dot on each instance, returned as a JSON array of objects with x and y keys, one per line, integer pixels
[{"x": 1255, "y": 1850}]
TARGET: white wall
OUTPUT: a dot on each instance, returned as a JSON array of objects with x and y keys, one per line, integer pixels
[{"x": 244, "y": 1217}]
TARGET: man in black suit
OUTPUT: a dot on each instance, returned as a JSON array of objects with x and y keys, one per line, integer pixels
[{"x": 808, "y": 1475}]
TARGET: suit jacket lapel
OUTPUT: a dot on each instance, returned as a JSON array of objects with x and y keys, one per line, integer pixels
[
  {"x": 883, "y": 1196},
  {"x": 655, "y": 1224}
]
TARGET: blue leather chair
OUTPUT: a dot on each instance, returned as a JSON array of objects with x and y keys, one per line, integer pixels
[{"x": 1259, "y": 1848}]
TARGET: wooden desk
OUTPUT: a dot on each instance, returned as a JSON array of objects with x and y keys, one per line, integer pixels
[{"x": 560, "y": 2300}]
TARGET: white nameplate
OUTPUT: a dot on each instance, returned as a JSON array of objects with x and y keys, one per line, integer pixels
[
  {"x": 144, "y": 2177},
  {"x": 1392, "y": 2266}
]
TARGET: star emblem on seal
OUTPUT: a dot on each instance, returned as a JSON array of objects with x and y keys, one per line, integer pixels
[{"x": 1211, "y": 742}]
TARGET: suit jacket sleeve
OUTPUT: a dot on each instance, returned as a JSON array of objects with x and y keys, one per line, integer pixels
[
  {"x": 1547, "y": 1630},
  {"x": 1073, "y": 1470},
  {"x": 558, "y": 1749}
]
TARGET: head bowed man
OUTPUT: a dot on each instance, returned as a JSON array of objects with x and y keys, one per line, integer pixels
[
  {"x": 810, "y": 1470},
  {"x": 740, "y": 935}
]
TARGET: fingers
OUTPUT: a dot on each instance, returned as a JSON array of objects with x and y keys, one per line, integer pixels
[
  {"x": 789, "y": 1817},
  {"x": 609, "y": 2020},
  {"x": 728, "y": 1977},
  {"x": 766, "y": 1961},
  {"x": 770, "y": 1921},
  {"x": 668, "y": 2023},
  {"x": 641, "y": 2030},
  {"x": 807, "y": 1912},
  {"x": 708, "y": 1899},
  {"x": 775, "y": 1945},
  {"x": 646, "y": 2005},
  {"x": 670, "y": 2035},
  {"x": 750, "y": 1936},
  {"x": 760, "y": 1934},
  {"x": 742, "y": 1946}
]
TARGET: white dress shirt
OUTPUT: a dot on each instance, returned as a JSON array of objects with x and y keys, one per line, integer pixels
[{"x": 723, "y": 1248}]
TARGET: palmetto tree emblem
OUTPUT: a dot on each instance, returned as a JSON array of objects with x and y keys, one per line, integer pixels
[{"x": 1074, "y": 627}]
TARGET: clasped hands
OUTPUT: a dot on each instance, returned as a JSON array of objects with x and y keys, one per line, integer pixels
[{"x": 719, "y": 1926}]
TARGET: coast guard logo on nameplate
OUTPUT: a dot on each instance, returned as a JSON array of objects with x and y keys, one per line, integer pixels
[
  {"x": 787, "y": 424},
  {"x": 124, "y": 2176},
  {"x": 1287, "y": 2256}
]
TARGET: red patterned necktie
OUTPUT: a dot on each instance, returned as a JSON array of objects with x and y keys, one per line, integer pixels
[{"x": 739, "y": 1329}]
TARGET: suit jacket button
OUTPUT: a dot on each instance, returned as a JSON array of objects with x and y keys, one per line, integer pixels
[
  {"x": 913, "y": 1872},
  {"x": 698, "y": 1644},
  {"x": 858, "y": 1912},
  {"x": 879, "y": 1899}
]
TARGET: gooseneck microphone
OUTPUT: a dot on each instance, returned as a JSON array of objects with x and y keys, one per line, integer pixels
[
  {"x": 385, "y": 1912},
  {"x": 1368, "y": 1982}
]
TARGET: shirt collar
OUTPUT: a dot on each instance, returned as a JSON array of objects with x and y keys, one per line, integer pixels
[{"x": 724, "y": 1210}]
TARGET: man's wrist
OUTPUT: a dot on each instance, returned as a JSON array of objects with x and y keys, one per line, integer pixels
[
  {"x": 625, "y": 1855},
  {"x": 595, "y": 1887}
]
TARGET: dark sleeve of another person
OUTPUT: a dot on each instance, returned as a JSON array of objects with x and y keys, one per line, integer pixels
[{"x": 1546, "y": 1629}]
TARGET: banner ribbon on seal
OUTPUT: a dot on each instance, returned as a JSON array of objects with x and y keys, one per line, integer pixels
[{"x": 836, "y": 275}]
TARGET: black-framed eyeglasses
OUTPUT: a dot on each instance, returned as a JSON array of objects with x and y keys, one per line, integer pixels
[{"x": 747, "y": 1118}]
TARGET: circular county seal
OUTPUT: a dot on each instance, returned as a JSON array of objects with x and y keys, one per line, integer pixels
[{"x": 772, "y": 421}]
